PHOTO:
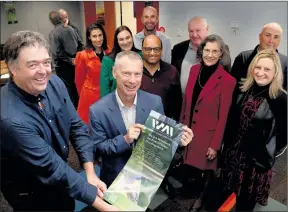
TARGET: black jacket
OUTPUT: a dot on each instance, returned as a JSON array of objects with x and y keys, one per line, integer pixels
[
  {"x": 242, "y": 61},
  {"x": 179, "y": 52},
  {"x": 267, "y": 133}
]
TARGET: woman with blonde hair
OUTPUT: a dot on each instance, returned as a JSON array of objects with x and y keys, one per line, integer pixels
[{"x": 255, "y": 131}]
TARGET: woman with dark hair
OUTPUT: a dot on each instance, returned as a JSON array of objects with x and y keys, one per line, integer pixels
[
  {"x": 123, "y": 41},
  {"x": 256, "y": 130},
  {"x": 88, "y": 66},
  {"x": 205, "y": 108}
]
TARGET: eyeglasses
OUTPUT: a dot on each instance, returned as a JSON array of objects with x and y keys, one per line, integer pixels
[
  {"x": 149, "y": 49},
  {"x": 207, "y": 52}
]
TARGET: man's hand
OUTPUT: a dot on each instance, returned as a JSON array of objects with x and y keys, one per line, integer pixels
[
  {"x": 103, "y": 206},
  {"x": 187, "y": 136},
  {"x": 94, "y": 180},
  {"x": 211, "y": 154},
  {"x": 133, "y": 132},
  {"x": 73, "y": 61}
]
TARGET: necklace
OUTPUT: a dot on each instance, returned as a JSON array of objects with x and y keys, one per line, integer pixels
[{"x": 199, "y": 77}]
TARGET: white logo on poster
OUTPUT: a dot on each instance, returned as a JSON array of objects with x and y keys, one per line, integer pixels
[{"x": 164, "y": 128}]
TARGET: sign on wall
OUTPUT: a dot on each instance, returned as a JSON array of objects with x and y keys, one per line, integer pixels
[{"x": 10, "y": 9}]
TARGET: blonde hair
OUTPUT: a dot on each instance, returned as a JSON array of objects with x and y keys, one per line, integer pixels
[{"x": 275, "y": 87}]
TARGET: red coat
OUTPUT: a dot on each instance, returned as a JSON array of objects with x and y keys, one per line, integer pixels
[
  {"x": 209, "y": 116},
  {"x": 87, "y": 80}
]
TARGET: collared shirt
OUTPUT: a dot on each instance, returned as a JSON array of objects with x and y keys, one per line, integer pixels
[
  {"x": 188, "y": 61},
  {"x": 35, "y": 141},
  {"x": 165, "y": 83},
  {"x": 128, "y": 114},
  {"x": 166, "y": 44}
]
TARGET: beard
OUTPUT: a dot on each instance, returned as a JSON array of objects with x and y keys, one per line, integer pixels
[{"x": 150, "y": 30}]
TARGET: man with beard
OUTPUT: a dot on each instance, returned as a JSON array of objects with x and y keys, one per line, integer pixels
[
  {"x": 161, "y": 78},
  {"x": 150, "y": 20}
]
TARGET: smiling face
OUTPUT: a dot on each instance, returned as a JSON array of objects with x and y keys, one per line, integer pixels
[
  {"x": 128, "y": 76},
  {"x": 211, "y": 53},
  {"x": 149, "y": 18},
  {"x": 32, "y": 70},
  {"x": 198, "y": 31},
  {"x": 264, "y": 71},
  {"x": 96, "y": 37},
  {"x": 270, "y": 36},
  {"x": 152, "y": 49},
  {"x": 125, "y": 40}
]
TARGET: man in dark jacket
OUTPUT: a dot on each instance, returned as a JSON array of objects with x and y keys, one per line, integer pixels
[
  {"x": 67, "y": 22},
  {"x": 270, "y": 37},
  {"x": 161, "y": 78},
  {"x": 64, "y": 46},
  {"x": 184, "y": 53},
  {"x": 37, "y": 122}
]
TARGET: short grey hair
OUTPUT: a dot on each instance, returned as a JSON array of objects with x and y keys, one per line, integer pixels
[
  {"x": 18, "y": 41},
  {"x": 129, "y": 54},
  {"x": 225, "y": 58}
]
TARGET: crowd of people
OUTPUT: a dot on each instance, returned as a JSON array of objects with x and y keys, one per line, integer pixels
[{"x": 99, "y": 98}]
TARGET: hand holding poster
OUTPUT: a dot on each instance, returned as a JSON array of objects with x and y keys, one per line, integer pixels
[{"x": 139, "y": 180}]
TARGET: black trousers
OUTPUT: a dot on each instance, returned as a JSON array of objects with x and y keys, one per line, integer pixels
[
  {"x": 45, "y": 200},
  {"x": 66, "y": 72}
]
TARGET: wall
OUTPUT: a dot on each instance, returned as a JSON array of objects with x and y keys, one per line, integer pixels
[
  {"x": 251, "y": 16},
  {"x": 127, "y": 15},
  {"x": 34, "y": 16}
]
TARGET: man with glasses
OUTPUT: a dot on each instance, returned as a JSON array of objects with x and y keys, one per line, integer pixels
[
  {"x": 150, "y": 20},
  {"x": 161, "y": 78},
  {"x": 184, "y": 53}
]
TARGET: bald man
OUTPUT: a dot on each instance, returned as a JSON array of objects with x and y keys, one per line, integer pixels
[
  {"x": 150, "y": 20},
  {"x": 161, "y": 78},
  {"x": 269, "y": 37},
  {"x": 184, "y": 53}
]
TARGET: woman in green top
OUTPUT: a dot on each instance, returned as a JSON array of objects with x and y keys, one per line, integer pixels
[{"x": 123, "y": 41}]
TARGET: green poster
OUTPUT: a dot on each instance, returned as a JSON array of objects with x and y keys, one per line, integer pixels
[
  {"x": 10, "y": 11},
  {"x": 139, "y": 180}
]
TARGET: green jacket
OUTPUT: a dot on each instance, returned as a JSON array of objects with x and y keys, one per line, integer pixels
[{"x": 107, "y": 81}]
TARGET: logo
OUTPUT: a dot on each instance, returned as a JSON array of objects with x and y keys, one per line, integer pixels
[{"x": 162, "y": 127}]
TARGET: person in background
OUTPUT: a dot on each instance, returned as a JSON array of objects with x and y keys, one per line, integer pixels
[
  {"x": 88, "y": 66},
  {"x": 38, "y": 121},
  {"x": 117, "y": 119},
  {"x": 161, "y": 78},
  {"x": 150, "y": 20},
  {"x": 123, "y": 41},
  {"x": 256, "y": 129},
  {"x": 205, "y": 108},
  {"x": 270, "y": 37},
  {"x": 64, "y": 47},
  {"x": 184, "y": 54},
  {"x": 67, "y": 22}
]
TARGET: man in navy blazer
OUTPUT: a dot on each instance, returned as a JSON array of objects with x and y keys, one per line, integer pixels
[
  {"x": 38, "y": 121},
  {"x": 117, "y": 119}
]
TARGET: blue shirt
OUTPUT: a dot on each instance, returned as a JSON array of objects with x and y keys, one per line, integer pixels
[{"x": 35, "y": 141}]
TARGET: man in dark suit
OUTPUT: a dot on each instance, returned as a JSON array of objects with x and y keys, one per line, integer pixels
[
  {"x": 67, "y": 22},
  {"x": 117, "y": 119},
  {"x": 184, "y": 53},
  {"x": 38, "y": 121},
  {"x": 269, "y": 37}
]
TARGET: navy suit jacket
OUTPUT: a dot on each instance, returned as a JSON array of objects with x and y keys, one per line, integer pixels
[{"x": 107, "y": 130}]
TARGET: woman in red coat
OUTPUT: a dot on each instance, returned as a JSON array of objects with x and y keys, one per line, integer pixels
[
  {"x": 205, "y": 107},
  {"x": 88, "y": 65}
]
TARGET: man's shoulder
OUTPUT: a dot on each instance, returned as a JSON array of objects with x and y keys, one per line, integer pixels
[
  {"x": 139, "y": 36},
  {"x": 148, "y": 97},
  {"x": 103, "y": 103},
  {"x": 182, "y": 44}
]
